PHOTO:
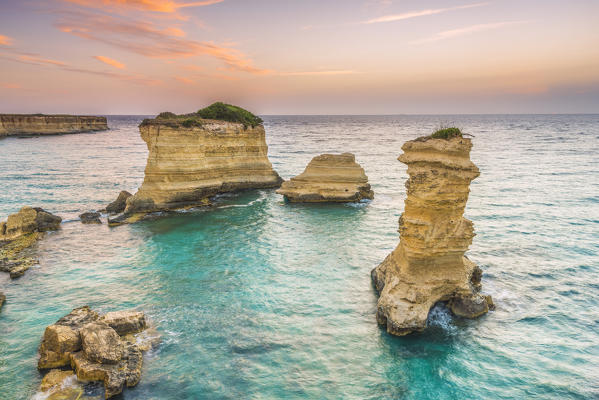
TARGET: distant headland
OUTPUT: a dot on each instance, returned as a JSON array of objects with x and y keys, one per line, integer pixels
[{"x": 41, "y": 124}]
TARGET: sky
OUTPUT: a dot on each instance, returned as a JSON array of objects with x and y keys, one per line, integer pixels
[{"x": 299, "y": 56}]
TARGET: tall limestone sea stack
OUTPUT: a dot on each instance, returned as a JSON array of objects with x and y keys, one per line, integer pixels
[
  {"x": 428, "y": 265},
  {"x": 40, "y": 124},
  {"x": 192, "y": 157}
]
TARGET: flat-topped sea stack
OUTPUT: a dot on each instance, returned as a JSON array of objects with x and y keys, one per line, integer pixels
[
  {"x": 329, "y": 178},
  {"x": 192, "y": 157},
  {"x": 428, "y": 265},
  {"x": 39, "y": 124}
]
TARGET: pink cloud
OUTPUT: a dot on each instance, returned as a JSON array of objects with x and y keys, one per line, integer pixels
[
  {"x": 110, "y": 61},
  {"x": 147, "y": 39}
]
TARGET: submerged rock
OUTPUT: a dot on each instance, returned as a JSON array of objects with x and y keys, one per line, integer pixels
[
  {"x": 329, "y": 178},
  {"x": 191, "y": 159},
  {"x": 118, "y": 206},
  {"x": 90, "y": 217},
  {"x": 18, "y": 255},
  {"x": 2, "y": 300},
  {"x": 429, "y": 265},
  {"x": 93, "y": 348}
]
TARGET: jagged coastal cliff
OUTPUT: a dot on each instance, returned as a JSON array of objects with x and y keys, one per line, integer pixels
[
  {"x": 329, "y": 178},
  {"x": 219, "y": 149},
  {"x": 38, "y": 124},
  {"x": 428, "y": 265}
]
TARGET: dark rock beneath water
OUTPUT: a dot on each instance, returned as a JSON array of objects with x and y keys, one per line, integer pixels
[
  {"x": 18, "y": 255},
  {"x": 2, "y": 300},
  {"x": 91, "y": 217},
  {"x": 119, "y": 205}
]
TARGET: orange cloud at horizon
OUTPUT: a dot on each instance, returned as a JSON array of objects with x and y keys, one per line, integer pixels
[
  {"x": 110, "y": 61},
  {"x": 162, "y": 6}
]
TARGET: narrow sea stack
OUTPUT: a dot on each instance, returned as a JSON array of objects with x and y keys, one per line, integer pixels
[
  {"x": 428, "y": 265},
  {"x": 329, "y": 178},
  {"x": 192, "y": 157},
  {"x": 40, "y": 124}
]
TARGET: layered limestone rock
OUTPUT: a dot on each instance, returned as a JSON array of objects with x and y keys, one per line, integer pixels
[
  {"x": 428, "y": 265},
  {"x": 38, "y": 124},
  {"x": 18, "y": 236},
  {"x": 95, "y": 350},
  {"x": 329, "y": 178},
  {"x": 190, "y": 162}
]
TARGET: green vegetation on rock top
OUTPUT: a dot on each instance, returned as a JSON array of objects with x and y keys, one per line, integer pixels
[
  {"x": 447, "y": 133},
  {"x": 231, "y": 113},
  {"x": 218, "y": 111}
]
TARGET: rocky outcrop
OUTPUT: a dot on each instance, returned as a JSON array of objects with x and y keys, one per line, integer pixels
[
  {"x": 118, "y": 206},
  {"x": 329, "y": 178},
  {"x": 428, "y": 265},
  {"x": 38, "y": 124},
  {"x": 28, "y": 220},
  {"x": 19, "y": 234},
  {"x": 191, "y": 160},
  {"x": 90, "y": 217},
  {"x": 95, "y": 350}
]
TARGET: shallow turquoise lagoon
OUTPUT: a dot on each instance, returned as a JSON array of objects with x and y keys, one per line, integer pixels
[{"x": 260, "y": 299}]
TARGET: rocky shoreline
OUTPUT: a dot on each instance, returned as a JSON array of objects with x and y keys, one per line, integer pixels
[
  {"x": 18, "y": 236},
  {"x": 41, "y": 125}
]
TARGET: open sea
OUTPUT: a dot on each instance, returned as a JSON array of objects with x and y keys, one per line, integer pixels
[{"x": 258, "y": 299}]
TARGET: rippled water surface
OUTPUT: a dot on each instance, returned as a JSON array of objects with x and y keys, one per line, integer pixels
[{"x": 265, "y": 300}]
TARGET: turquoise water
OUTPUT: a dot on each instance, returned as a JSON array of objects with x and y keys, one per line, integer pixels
[{"x": 265, "y": 300}]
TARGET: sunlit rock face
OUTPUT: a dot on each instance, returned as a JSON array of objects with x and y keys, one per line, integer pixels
[
  {"x": 329, "y": 178},
  {"x": 32, "y": 125},
  {"x": 429, "y": 265},
  {"x": 188, "y": 164}
]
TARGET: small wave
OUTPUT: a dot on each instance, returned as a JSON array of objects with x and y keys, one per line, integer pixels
[{"x": 440, "y": 317}]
